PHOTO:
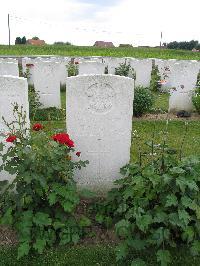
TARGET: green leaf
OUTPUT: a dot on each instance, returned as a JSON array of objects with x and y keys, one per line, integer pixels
[
  {"x": 84, "y": 221},
  {"x": 1, "y": 146},
  {"x": 181, "y": 183},
  {"x": 164, "y": 257},
  {"x": 171, "y": 200},
  {"x": 184, "y": 216},
  {"x": 68, "y": 206},
  {"x": 99, "y": 218},
  {"x": 7, "y": 218},
  {"x": 122, "y": 228},
  {"x": 23, "y": 250},
  {"x": 42, "y": 219},
  {"x": 39, "y": 245},
  {"x": 188, "y": 234},
  {"x": 52, "y": 198},
  {"x": 187, "y": 202},
  {"x": 177, "y": 170},
  {"x": 137, "y": 244},
  {"x": 160, "y": 235},
  {"x": 143, "y": 222},
  {"x": 195, "y": 249},
  {"x": 121, "y": 251},
  {"x": 75, "y": 238},
  {"x": 3, "y": 184},
  {"x": 138, "y": 262}
]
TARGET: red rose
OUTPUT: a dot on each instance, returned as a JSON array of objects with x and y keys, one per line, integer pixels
[
  {"x": 78, "y": 153},
  {"x": 63, "y": 138},
  {"x": 37, "y": 127},
  {"x": 11, "y": 138}
]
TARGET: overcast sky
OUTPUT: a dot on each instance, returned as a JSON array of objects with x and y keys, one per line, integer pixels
[{"x": 82, "y": 22}]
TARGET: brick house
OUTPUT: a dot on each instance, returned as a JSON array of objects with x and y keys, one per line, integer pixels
[
  {"x": 35, "y": 42},
  {"x": 103, "y": 44}
]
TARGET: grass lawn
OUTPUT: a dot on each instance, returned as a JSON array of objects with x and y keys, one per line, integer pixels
[
  {"x": 67, "y": 50},
  {"x": 101, "y": 255}
]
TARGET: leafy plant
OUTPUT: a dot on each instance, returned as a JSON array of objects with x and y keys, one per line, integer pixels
[
  {"x": 143, "y": 101},
  {"x": 34, "y": 102},
  {"x": 49, "y": 114},
  {"x": 125, "y": 70},
  {"x": 72, "y": 69},
  {"x": 196, "y": 96},
  {"x": 41, "y": 199},
  {"x": 155, "y": 78}
]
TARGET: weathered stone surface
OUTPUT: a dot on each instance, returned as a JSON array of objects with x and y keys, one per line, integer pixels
[
  {"x": 47, "y": 83},
  {"x": 12, "y": 90},
  {"x": 99, "y": 120},
  {"x": 143, "y": 69},
  {"x": 91, "y": 67},
  {"x": 9, "y": 67}
]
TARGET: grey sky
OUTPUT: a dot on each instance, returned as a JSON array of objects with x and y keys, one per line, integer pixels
[{"x": 82, "y": 22}]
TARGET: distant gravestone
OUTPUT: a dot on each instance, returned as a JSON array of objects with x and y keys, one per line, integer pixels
[
  {"x": 91, "y": 67},
  {"x": 183, "y": 79},
  {"x": 112, "y": 63},
  {"x": 99, "y": 120},
  {"x": 13, "y": 90},
  {"x": 9, "y": 67},
  {"x": 143, "y": 69},
  {"x": 47, "y": 83}
]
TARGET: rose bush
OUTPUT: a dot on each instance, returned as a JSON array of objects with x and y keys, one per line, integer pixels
[{"x": 41, "y": 199}]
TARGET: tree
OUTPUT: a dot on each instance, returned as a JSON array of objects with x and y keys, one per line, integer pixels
[
  {"x": 23, "y": 41},
  {"x": 18, "y": 40},
  {"x": 35, "y": 38}
]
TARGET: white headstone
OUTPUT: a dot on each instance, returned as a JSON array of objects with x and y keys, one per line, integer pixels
[
  {"x": 91, "y": 67},
  {"x": 143, "y": 69},
  {"x": 9, "y": 67},
  {"x": 13, "y": 90},
  {"x": 99, "y": 120},
  {"x": 47, "y": 83},
  {"x": 112, "y": 63}
]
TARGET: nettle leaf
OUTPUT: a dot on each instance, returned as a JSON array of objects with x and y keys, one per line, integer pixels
[
  {"x": 39, "y": 245},
  {"x": 121, "y": 251},
  {"x": 138, "y": 262},
  {"x": 160, "y": 235},
  {"x": 195, "y": 249},
  {"x": 143, "y": 222},
  {"x": 137, "y": 244},
  {"x": 68, "y": 206},
  {"x": 23, "y": 250},
  {"x": 160, "y": 217},
  {"x": 188, "y": 234},
  {"x": 122, "y": 208},
  {"x": 192, "y": 185},
  {"x": 171, "y": 200},
  {"x": 164, "y": 257},
  {"x": 52, "y": 198},
  {"x": 84, "y": 221},
  {"x": 99, "y": 218},
  {"x": 7, "y": 218},
  {"x": 42, "y": 219},
  {"x": 122, "y": 228},
  {"x": 177, "y": 170},
  {"x": 187, "y": 202},
  {"x": 184, "y": 216},
  {"x": 167, "y": 178},
  {"x": 181, "y": 183}
]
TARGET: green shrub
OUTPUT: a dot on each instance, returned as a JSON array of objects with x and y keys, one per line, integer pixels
[
  {"x": 125, "y": 70},
  {"x": 72, "y": 69},
  {"x": 40, "y": 202},
  {"x": 155, "y": 207},
  {"x": 155, "y": 78},
  {"x": 196, "y": 96},
  {"x": 34, "y": 102},
  {"x": 143, "y": 101},
  {"x": 49, "y": 114}
]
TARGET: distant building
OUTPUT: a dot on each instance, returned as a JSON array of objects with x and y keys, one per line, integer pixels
[
  {"x": 35, "y": 42},
  {"x": 103, "y": 44},
  {"x": 126, "y": 45},
  {"x": 195, "y": 50}
]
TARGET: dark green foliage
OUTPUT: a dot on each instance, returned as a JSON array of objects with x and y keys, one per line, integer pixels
[
  {"x": 72, "y": 69},
  {"x": 24, "y": 40},
  {"x": 183, "y": 45},
  {"x": 34, "y": 102},
  {"x": 49, "y": 114},
  {"x": 156, "y": 205},
  {"x": 143, "y": 101},
  {"x": 155, "y": 78},
  {"x": 196, "y": 96},
  {"x": 123, "y": 70},
  {"x": 18, "y": 40},
  {"x": 40, "y": 202},
  {"x": 35, "y": 38}
]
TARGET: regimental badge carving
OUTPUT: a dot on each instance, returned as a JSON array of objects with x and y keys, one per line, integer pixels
[{"x": 100, "y": 96}]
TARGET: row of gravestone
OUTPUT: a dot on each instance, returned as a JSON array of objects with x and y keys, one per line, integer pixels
[
  {"x": 47, "y": 75},
  {"x": 99, "y": 120}
]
